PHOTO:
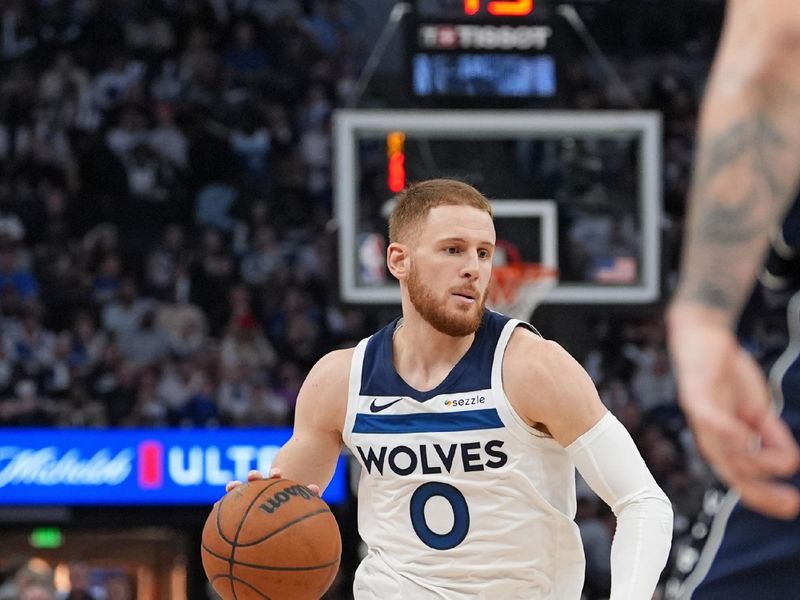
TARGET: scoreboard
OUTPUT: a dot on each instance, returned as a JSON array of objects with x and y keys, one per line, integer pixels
[{"x": 482, "y": 50}]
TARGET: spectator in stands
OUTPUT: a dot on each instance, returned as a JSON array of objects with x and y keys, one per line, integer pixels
[
  {"x": 124, "y": 315},
  {"x": 652, "y": 383},
  {"x": 251, "y": 142},
  {"x": 15, "y": 277},
  {"x": 332, "y": 27},
  {"x": 268, "y": 406},
  {"x": 245, "y": 344},
  {"x": 79, "y": 581},
  {"x": 212, "y": 271},
  {"x": 106, "y": 283},
  {"x": 38, "y": 591},
  {"x": 179, "y": 381},
  {"x": 118, "y": 587},
  {"x": 166, "y": 138},
  {"x": 25, "y": 407},
  {"x": 245, "y": 58},
  {"x": 12, "y": 230},
  {"x": 114, "y": 383},
  {"x": 130, "y": 132},
  {"x": 145, "y": 345},
  {"x": 236, "y": 395},
  {"x": 57, "y": 378},
  {"x": 25, "y": 577},
  {"x": 185, "y": 326},
  {"x": 111, "y": 86},
  {"x": 150, "y": 410},
  {"x": 149, "y": 33},
  {"x": 201, "y": 408},
  {"x": 266, "y": 255},
  {"x": 30, "y": 345},
  {"x": 87, "y": 344}
]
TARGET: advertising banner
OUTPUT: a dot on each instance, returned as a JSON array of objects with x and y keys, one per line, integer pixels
[{"x": 132, "y": 467}]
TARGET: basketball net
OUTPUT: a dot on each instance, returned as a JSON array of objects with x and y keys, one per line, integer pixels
[{"x": 517, "y": 288}]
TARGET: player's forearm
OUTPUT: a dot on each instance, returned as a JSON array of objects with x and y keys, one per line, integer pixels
[
  {"x": 308, "y": 461},
  {"x": 609, "y": 461},
  {"x": 641, "y": 546},
  {"x": 748, "y": 158}
]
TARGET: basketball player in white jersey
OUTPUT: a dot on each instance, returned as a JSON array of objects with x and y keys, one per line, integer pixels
[{"x": 468, "y": 426}]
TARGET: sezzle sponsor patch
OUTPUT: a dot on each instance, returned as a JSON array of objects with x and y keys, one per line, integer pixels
[{"x": 465, "y": 401}]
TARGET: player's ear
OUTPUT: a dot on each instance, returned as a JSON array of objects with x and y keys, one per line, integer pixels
[{"x": 398, "y": 260}]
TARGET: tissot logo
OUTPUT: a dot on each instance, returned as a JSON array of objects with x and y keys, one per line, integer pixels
[
  {"x": 383, "y": 405},
  {"x": 484, "y": 37}
]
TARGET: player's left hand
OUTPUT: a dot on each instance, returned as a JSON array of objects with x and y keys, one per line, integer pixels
[{"x": 727, "y": 402}]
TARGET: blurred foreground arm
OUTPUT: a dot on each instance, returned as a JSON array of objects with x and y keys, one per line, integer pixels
[{"x": 746, "y": 174}]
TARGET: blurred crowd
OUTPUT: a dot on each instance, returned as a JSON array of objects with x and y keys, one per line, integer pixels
[
  {"x": 35, "y": 580},
  {"x": 165, "y": 199},
  {"x": 164, "y": 195},
  {"x": 166, "y": 249}
]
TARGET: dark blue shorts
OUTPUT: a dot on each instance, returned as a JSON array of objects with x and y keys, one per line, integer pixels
[
  {"x": 749, "y": 556},
  {"x": 759, "y": 559}
]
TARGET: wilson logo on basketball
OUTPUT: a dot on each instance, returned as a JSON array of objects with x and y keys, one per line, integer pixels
[{"x": 282, "y": 497}]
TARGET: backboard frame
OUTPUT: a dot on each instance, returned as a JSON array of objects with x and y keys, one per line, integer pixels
[{"x": 349, "y": 126}]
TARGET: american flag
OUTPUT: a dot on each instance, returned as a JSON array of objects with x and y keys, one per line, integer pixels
[{"x": 615, "y": 269}]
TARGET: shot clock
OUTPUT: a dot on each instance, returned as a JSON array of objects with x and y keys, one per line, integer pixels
[
  {"x": 483, "y": 52},
  {"x": 461, "y": 8},
  {"x": 500, "y": 8}
]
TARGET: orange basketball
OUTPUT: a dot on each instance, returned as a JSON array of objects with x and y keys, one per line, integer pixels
[{"x": 271, "y": 538}]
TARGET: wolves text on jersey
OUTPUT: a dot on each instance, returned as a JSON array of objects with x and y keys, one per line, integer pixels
[{"x": 429, "y": 459}]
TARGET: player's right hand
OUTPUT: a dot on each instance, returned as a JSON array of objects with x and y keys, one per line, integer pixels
[{"x": 274, "y": 473}]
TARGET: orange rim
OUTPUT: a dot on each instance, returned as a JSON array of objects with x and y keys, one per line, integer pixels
[{"x": 508, "y": 279}]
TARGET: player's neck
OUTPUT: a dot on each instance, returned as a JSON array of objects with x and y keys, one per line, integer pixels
[{"x": 423, "y": 356}]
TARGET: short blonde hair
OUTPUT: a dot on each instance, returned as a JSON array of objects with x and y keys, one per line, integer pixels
[{"x": 415, "y": 202}]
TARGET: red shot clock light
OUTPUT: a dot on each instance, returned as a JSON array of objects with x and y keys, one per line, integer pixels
[
  {"x": 395, "y": 151},
  {"x": 500, "y": 8}
]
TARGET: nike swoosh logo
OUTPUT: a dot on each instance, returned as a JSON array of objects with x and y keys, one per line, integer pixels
[{"x": 379, "y": 407}]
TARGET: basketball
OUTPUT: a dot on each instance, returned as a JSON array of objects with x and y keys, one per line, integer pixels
[{"x": 271, "y": 538}]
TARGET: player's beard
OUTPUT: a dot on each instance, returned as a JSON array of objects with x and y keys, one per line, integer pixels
[{"x": 450, "y": 321}]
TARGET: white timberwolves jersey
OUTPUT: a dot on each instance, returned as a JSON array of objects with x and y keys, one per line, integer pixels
[{"x": 458, "y": 497}]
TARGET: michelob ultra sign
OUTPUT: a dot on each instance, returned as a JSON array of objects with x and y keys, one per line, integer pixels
[{"x": 129, "y": 466}]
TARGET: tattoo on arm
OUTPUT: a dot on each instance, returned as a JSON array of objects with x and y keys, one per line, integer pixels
[
  {"x": 755, "y": 136},
  {"x": 740, "y": 190},
  {"x": 729, "y": 225}
]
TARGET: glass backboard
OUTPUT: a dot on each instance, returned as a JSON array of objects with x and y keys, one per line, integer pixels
[{"x": 577, "y": 191}]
